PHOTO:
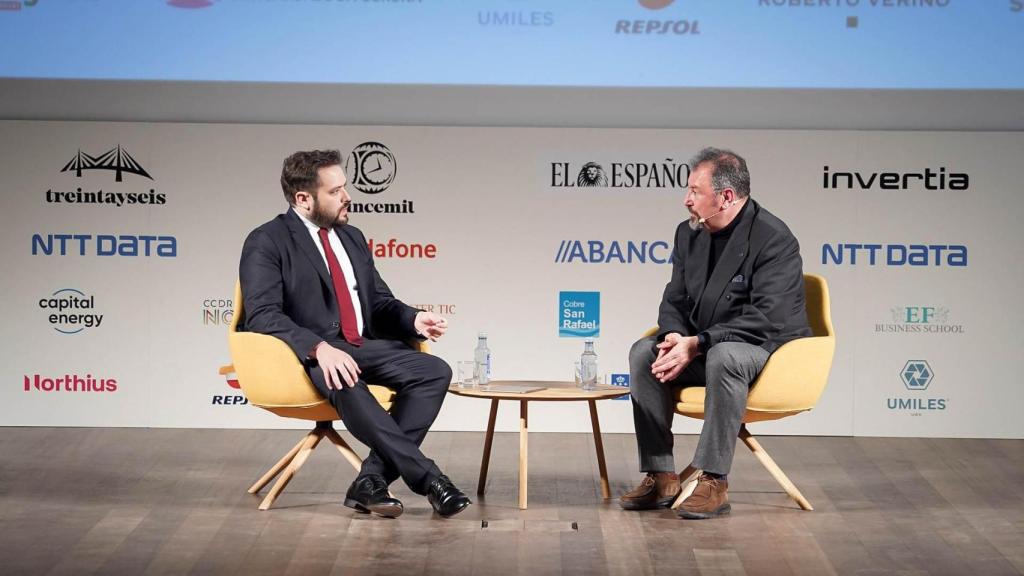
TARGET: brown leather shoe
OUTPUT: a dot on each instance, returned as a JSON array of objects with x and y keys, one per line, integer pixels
[
  {"x": 709, "y": 499},
  {"x": 656, "y": 490}
]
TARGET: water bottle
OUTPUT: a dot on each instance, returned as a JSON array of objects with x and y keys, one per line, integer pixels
[
  {"x": 482, "y": 357},
  {"x": 588, "y": 366}
]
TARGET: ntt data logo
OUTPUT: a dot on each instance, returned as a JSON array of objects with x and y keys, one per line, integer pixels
[
  {"x": 104, "y": 245},
  {"x": 71, "y": 311},
  {"x": 868, "y": 254},
  {"x": 613, "y": 252},
  {"x": 917, "y": 376},
  {"x": 69, "y": 383}
]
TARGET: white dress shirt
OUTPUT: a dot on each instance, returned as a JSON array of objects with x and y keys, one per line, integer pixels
[{"x": 343, "y": 261}]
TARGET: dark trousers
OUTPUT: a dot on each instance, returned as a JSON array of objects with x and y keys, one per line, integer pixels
[{"x": 420, "y": 382}]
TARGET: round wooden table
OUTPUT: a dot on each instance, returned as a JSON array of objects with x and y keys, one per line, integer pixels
[{"x": 552, "y": 392}]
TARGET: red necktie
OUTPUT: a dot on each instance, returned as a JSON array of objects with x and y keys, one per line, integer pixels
[{"x": 349, "y": 328}]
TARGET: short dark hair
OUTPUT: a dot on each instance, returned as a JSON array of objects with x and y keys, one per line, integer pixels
[
  {"x": 300, "y": 171},
  {"x": 728, "y": 170}
]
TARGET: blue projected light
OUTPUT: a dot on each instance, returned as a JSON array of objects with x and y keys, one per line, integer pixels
[{"x": 904, "y": 44}]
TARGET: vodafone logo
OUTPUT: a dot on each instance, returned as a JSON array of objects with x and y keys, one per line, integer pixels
[{"x": 394, "y": 248}]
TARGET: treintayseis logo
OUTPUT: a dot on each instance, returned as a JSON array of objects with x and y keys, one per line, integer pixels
[{"x": 116, "y": 160}]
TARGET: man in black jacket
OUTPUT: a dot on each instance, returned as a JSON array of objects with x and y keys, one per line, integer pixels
[
  {"x": 308, "y": 278},
  {"x": 735, "y": 296}
]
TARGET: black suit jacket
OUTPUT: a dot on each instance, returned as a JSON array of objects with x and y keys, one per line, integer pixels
[
  {"x": 288, "y": 293},
  {"x": 755, "y": 293}
]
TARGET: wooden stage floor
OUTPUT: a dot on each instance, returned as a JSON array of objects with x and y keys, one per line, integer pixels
[{"x": 141, "y": 501}]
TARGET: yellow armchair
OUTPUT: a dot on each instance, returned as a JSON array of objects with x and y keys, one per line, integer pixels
[
  {"x": 273, "y": 378},
  {"x": 791, "y": 382}
]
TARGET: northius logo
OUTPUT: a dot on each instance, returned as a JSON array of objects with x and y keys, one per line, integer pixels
[
  {"x": 613, "y": 252},
  {"x": 70, "y": 383},
  {"x": 104, "y": 245},
  {"x": 894, "y": 254}
]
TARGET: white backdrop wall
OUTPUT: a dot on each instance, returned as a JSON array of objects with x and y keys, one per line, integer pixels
[{"x": 923, "y": 350}]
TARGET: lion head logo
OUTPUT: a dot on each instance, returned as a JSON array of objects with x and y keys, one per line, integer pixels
[{"x": 592, "y": 174}]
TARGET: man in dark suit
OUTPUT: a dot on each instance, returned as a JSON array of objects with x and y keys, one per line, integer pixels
[
  {"x": 735, "y": 296},
  {"x": 308, "y": 278}
]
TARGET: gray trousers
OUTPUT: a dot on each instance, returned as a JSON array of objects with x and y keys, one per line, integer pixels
[{"x": 727, "y": 371}]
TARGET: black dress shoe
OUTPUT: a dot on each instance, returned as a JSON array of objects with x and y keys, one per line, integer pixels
[
  {"x": 370, "y": 494},
  {"x": 446, "y": 499}
]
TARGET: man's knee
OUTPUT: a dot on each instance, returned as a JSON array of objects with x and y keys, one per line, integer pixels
[
  {"x": 436, "y": 370},
  {"x": 641, "y": 355},
  {"x": 735, "y": 362}
]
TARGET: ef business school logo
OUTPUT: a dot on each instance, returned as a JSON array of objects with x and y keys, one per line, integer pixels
[
  {"x": 917, "y": 376},
  {"x": 920, "y": 320}
]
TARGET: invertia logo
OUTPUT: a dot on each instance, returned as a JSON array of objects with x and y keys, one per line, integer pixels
[
  {"x": 931, "y": 180},
  {"x": 104, "y": 245},
  {"x": 70, "y": 383},
  {"x": 392, "y": 248}
]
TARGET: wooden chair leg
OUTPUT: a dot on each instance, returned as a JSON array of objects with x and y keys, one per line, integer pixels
[
  {"x": 485, "y": 461},
  {"x": 602, "y": 467},
  {"x": 308, "y": 444},
  {"x": 276, "y": 468},
  {"x": 773, "y": 468},
  {"x": 344, "y": 448},
  {"x": 523, "y": 456},
  {"x": 688, "y": 479}
]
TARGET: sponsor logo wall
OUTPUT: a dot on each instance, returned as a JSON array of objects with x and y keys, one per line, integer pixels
[{"x": 121, "y": 243}]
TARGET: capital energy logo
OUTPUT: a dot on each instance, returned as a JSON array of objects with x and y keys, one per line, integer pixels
[
  {"x": 393, "y": 248},
  {"x": 218, "y": 312},
  {"x": 50, "y": 244},
  {"x": 869, "y": 254},
  {"x": 664, "y": 174},
  {"x": 229, "y": 399},
  {"x": 929, "y": 179},
  {"x": 649, "y": 26},
  {"x": 69, "y": 383},
  {"x": 579, "y": 314},
  {"x": 118, "y": 161},
  {"x": 917, "y": 376},
  {"x": 919, "y": 320},
  {"x": 71, "y": 311},
  {"x": 614, "y": 252}
]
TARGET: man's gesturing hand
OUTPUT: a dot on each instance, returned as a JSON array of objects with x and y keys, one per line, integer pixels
[
  {"x": 337, "y": 365},
  {"x": 430, "y": 325},
  {"x": 675, "y": 353}
]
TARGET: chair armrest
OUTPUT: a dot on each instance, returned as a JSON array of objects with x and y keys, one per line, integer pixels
[{"x": 794, "y": 376}]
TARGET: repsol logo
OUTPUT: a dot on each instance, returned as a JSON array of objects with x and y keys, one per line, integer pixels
[
  {"x": 69, "y": 383},
  {"x": 894, "y": 254},
  {"x": 940, "y": 179},
  {"x": 613, "y": 252},
  {"x": 644, "y": 27},
  {"x": 104, "y": 245}
]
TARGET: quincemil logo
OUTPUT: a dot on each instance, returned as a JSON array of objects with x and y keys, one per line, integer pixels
[
  {"x": 371, "y": 168},
  {"x": 665, "y": 174},
  {"x": 864, "y": 253},
  {"x": 69, "y": 383},
  {"x": 116, "y": 160},
  {"x": 218, "y": 311},
  {"x": 919, "y": 319},
  {"x": 393, "y": 248},
  {"x": 917, "y": 376},
  {"x": 71, "y": 311},
  {"x": 104, "y": 245},
  {"x": 579, "y": 314},
  {"x": 613, "y": 252},
  {"x": 656, "y": 26},
  {"x": 231, "y": 379}
]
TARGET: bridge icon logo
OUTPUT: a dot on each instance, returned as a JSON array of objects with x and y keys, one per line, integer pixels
[{"x": 117, "y": 160}]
